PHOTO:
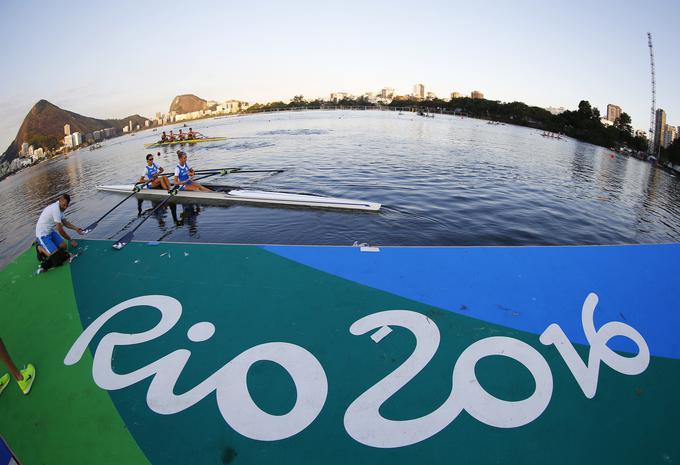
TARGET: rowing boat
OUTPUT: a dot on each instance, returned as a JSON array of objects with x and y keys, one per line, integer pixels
[
  {"x": 230, "y": 194},
  {"x": 188, "y": 141}
]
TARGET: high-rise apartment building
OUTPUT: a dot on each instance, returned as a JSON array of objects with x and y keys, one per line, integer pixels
[
  {"x": 387, "y": 92},
  {"x": 613, "y": 112},
  {"x": 477, "y": 95},
  {"x": 67, "y": 129},
  {"x": 670, "y": 133},
  {"x": 77, "y": 139},
  {"x": 419, "y": 91},
  {"x": 455, "y": 95},
  {"x": 659, "y": 129}
]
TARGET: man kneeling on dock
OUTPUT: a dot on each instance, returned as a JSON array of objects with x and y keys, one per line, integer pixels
[{"x": 49, "y": 232}]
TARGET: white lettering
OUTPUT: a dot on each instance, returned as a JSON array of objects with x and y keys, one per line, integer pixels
[
  {"x": 233, "y": 399},
  {"x": 587, "y": 375}
]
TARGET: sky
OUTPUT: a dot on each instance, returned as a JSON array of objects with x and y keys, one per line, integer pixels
[{"x": 113, "y": 59}]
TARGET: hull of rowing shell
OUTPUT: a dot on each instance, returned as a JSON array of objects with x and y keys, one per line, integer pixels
[
  {"x": 192, "y": 141},
  {"x": 251, "y": 197}
]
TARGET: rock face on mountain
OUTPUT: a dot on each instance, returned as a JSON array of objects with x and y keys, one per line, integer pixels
[
  {"x": 187, "y": 103},
  {"x": 43, "y": 127}
]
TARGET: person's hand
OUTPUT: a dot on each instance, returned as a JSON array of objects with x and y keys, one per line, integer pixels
[
  {"x": 74, "y": 244},
  {"x": 79, "y": 231}
]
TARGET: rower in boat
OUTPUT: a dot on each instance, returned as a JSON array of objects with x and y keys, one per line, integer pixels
[
  {"x": 151, "y": 177},
  {"x": 164, "y": 137},
  {"x": 171, "y": 137},
  {"x": 180, "y": 136},
  {"x": 183, "y": 175},
  {"x": 191, "y": 135}
]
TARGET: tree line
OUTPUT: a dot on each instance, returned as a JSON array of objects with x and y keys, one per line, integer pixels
[{"x": 582, "y": 124}]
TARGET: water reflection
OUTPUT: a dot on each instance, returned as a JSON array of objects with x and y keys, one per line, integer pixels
[{"x": 442, "y": 181}]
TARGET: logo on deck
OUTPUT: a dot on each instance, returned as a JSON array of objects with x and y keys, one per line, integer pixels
[{"x": 362, "y": 419}]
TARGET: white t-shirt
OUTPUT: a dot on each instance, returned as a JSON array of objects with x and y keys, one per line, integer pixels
[{"x": 49, "y": 217}]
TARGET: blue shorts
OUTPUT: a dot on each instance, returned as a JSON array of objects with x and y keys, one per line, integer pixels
[
  {"x": 50, "y": 242},
  {"x": 187, "y": 184}
]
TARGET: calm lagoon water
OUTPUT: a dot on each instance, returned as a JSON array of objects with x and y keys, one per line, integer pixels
[{"x": 442, "y": 181}]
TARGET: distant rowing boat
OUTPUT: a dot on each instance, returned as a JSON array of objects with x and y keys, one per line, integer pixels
[
  {"x": 188, "y": 141},
  {"x": 229, "y": 194}
]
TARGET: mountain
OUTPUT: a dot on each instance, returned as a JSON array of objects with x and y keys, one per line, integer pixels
[
  {"x": 187, "y": 103},
  {"x": 43, "y": 126}
]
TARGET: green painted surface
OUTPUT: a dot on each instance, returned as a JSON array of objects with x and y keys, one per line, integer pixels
[{"x": 65, "y": 419}]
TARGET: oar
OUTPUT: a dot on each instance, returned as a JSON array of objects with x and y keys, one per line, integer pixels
[
  {"x": 206, "y": 171},
  {"x": 135, "y": 189},
  {"x": 123, "y": 241},
  {"x": 238, "y": 170}
]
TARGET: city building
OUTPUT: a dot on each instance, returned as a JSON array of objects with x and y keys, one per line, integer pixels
[
  {"x": 606, "y": 122},
  {"x": 556, "y": 110},
  {"x": 370, "y": 97},
  {"x": 659, "y": 126},
  {"x": 455, "y": 95},
  {"x": 670, "y": 134},
  {"x": 419, "y": 91},
  {"x": 24, "y": 148},
  {"x": 76, "y": 139},
  {"x": 68, "y": 141},
  {"x": 613, "y": 112},
  {"x": 126, "y": 129},
  {"x": 147, "y": 123},
  {"x": 431, "y": 96},
  {"x": 386, "y": 93},
  {"x": 38, "y": 154},
  {"x": 477, "y": 95},
  {"x": 130, "y": 126},
  {"x": 337, "y": 96},
  {"x": 67, "y": 129},
  {"x": 30, "y": 150}
]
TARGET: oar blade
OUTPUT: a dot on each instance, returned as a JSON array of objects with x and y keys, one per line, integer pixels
[
  {"x": 123, "y": 241},
  {"x": 90, "y": 227}
]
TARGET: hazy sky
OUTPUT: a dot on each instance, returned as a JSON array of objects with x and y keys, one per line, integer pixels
[{"x": 118, "y": 58}]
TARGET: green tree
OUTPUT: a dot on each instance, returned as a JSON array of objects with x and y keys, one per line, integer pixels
[
  {"x": 623, "y": 123},
  {"x": 596, "y": 114},
  {"x": 298, "y": 101},
  {"x": 584, "y": 109}
]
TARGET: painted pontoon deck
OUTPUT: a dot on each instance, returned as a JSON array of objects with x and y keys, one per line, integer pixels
[{"x": 293, "y": 355}]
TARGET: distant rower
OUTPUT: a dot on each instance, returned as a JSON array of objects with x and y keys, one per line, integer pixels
[
  {"x": 191, "y": 135},
  {"x": 183, "y": 175},
  {"x": 151, "y": 175}
]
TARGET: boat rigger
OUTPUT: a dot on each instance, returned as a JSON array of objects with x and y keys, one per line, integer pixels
[{"x": 231, "y": 194}]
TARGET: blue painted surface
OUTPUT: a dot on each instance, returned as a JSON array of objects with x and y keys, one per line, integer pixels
[
  {"x": 525, "y": 288},
  {"x": 6, "y": 457}
]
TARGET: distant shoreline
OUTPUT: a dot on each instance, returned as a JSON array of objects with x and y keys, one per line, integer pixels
[{"x": 385, "y": 108}]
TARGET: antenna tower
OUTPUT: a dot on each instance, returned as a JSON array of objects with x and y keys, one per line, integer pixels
[{"x": 652, "y": 117}]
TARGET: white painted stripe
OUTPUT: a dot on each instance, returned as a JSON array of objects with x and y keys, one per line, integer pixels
[{"x": 381, "y": 333}]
